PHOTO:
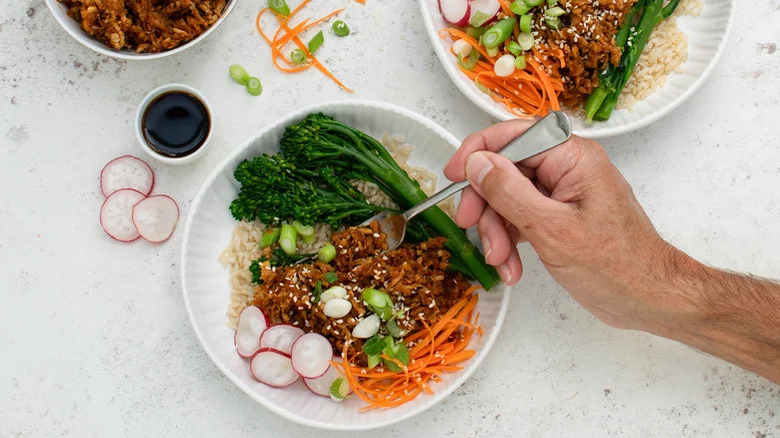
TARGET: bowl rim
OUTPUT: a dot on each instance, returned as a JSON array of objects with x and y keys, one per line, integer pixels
[
  {"x": 498, "y": 112},
  {"x": 92, "y": 43},
  {"x": 464, "y": 375}
]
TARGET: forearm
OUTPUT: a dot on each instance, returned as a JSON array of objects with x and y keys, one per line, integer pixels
[{"x": 731, "y": 316}]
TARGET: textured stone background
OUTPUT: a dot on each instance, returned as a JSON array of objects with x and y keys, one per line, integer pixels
[{"x": 94, "y": 340}]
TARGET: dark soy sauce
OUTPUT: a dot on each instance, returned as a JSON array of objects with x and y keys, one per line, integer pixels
[{"x": 176, "y": 124}]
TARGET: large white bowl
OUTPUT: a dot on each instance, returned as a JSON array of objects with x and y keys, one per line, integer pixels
[
  {"x": 707, "y": 35},
  {"x": 205, "y": 282},
  {"x": 73, "y": 27}
]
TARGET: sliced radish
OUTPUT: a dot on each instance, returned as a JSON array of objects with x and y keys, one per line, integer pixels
[
  {"x": 116, "y": 214},
  {"x": 155, "y": 218},
  {"x": 456, "y": 12},
  {"x": 490, "y": 8},
  {"x": 273, "y": 368},
  {"x": 252, "y": 322},
  {"x": 311, "y": 355},
  {"x": 321, "y": 385},
  {"x": 280, "y": 337},
  {"x": 126, "y": 172}
]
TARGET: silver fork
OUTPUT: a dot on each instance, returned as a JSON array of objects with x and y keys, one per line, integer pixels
[{"x": 545, "y": 134}]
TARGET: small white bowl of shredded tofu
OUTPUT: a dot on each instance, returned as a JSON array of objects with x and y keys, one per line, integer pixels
[
  {"x": 681, "y": 53},
  {"x": 217, "y": 251}
]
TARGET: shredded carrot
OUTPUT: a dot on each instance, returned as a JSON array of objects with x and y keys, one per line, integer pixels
[
  {"x": 438, "y": 348},
  {"x": 285, "y": 34},
  {"x": 528, "y": 92}
]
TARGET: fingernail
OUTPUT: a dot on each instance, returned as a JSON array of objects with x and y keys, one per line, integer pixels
[
  {"x": 486, "y": 248},
  {"x": 505, "y": 272},
  {"x": 477, "y": 166}
]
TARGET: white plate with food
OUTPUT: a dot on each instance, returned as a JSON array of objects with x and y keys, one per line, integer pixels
[
  {"x": 358, "y": 338},
  {"x": 116, "y": 29},
  {"x": 530, "y": 56}
]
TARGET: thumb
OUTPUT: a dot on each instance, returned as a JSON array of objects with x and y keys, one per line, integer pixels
[{"x": 509, "y": 192}]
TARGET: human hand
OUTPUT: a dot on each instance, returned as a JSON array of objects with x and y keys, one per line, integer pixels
[{"x": 578, "y": 213}]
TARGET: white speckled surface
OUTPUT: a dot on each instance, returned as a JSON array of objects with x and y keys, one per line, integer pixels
[{"x": 93, "y": 337}]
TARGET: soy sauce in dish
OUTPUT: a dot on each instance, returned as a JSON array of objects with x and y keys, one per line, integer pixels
[{"x": 176, "y": 124}]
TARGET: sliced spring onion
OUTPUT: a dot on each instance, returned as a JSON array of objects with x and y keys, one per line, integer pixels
[
  {"x": 526, "y": 41},
  {"x": 520, "y": 62},
  {"x": 340, "y": 28},
  {"x": 332, "y": 293},
  {"x": 475, "y": 32},
  {"x": 552, "y": 3},
  {"x": 279, "y": 6},
  {"x": 532, "y": 3},
  {"x": 483, "y": 88},
  {"x": 504, "y": 66},
  {"x": 339, "y": 389},
  {"x": 379, "y": 302},
  {"x": 398, "y": 351},
  {"x": 498, "y": 33},
  {"x": 327, "y": 253},
  {"x": 514, "y": 48},
  {"x": 288, "y": 239},
  {"x": 374, "y": 345},
  {"x": 373, "y": 360},
  {"x": 525, "y": 23},
  {"x": 239, "y": 74},
  {"x": 253, "y": 86},
  {"x": 519, "y": 7},
  {"x": 269, "y": 237},
  {"x": 298, "y": 56},
  {"x": 316, "y": 42},
  {"x": 303, "y": 230},
  {"x": 478, "y": 18},
  {"x": 557, "y": 11},
  {"x": 393, "y": 329},
  {"x": 553, "y": 23},
  {"x": 470, "y": 61},
  {"x": 317, "y": 292},
  {"x": 492, "y": 51},
  {"x": 311, "y": 238},
  {"x": 331, "y": 277}
]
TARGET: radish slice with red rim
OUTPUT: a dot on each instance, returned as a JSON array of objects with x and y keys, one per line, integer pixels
[
  {"x": 311, "y": 355},
  {"x": 252, "y": 322},
  {"x": 489, "y": 8},
  {"x": 126, "y": 172},
  {"x": 116, "y": 214},
  {"x": 456, "y": 12},
  {"x": 273, "y": 368},
  {"x": 155, "y": 218},
  {"x": 280, "y": 337},
  {"x": 321, "y": 385}
]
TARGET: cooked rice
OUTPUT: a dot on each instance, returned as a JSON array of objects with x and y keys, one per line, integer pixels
[
  {"x": 244, "y": 246},
  {"x": 665, "y": 52}
]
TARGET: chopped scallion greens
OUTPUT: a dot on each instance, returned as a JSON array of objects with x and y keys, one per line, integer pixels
[
  {"x": 331, "y": 277},
  {"x": 557, "y": 11},
  {"x": 327, "y": 253},
  {"x": 483, "y": 88},
  {"x": 520, "y": 62},
  {"x": 288, "y": 239},
  {"x": 525, "y": 23},
  {"x": 339, "y": 388},
  {"x": 340, "y": 28},
  {"x": 498, "y": 33},
  {"x": 553, "y": 23},
  {"x": 298, "y": 56},
  {"x": 393, "y": 329},
  {"x": 269, "y": 237},
  {"x": 280, "y": 7},
  {"x": 526, "y": 41},
  {"x": 519, "y": 7},
  {"x": 398, "y": 351},
  {"x": 478, "y": 18},
  {"x": 311, "y": 238},
  {"x": 239, "y": 74},
  {"x": 374, "y": 345},
  {"x": 303, "y": 230},
  {"x": 493, "y": 51},
  {"x": 475, "y": 32},
  {"x": 514, "y": 48},
  {"x": 552, "y": 3},
  {"x": 379, "y": 302},
  {"x": 315, "y": 294},
  {"x": 316, "y": 42},
  {"x": 469, "y": 61},
  {"x": 253, "y": 86},
  {"x": 532, "y": 3},
  {"x": 373, "y": 360}
]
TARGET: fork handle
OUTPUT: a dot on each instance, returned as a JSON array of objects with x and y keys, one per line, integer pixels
[{"x": 548, "y": 132}]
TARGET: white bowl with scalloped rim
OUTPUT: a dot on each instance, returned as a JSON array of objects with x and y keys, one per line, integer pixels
[
  {"x": 205, "y": 282},
  {"x": 707, "y": 36}
]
